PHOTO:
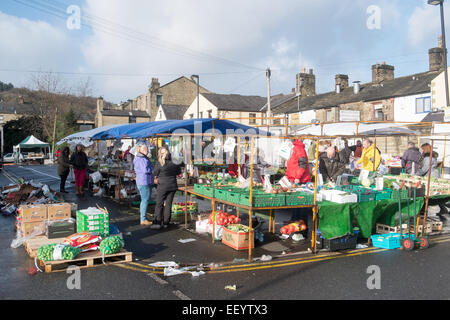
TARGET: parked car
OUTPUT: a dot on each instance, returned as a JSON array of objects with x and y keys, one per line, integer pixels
[{"x": 8, "y": 158}]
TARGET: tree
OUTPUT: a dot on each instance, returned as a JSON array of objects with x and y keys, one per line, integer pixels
[
  {"x": 5, "y": 87},
  {"x": 17, "y": 130}
]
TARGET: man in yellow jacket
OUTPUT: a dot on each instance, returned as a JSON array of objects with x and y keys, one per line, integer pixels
[{"x": 368, "y": 155}]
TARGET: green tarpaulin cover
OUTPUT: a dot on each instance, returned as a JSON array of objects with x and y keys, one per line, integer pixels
[{"x": 336, "y": 219}]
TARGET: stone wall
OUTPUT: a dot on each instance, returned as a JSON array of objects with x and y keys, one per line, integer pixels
[{"x": 179, "y": 92}]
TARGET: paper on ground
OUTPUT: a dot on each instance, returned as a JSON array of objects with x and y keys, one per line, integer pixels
[
  {"x": 164, "y": 264},
  {"x": 186, "y": 240}
]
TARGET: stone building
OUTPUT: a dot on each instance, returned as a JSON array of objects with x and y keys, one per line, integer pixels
[
  {"x": 181, "y": 91},
  {"x": 118, "y": 115},
  {"x": 385, "y": 98},
  {"x": 248, "y": 110}
]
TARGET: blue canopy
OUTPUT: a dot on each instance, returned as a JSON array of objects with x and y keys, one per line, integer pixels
[{"x": 151, "y": 129}]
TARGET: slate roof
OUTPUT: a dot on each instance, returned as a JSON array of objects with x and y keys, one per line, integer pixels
[
  {"x": 437, "y": 116},
  {"x": 398, "y": 87},
  {"x": 125, "y": 113},
  {"x": 7, "y": 108},
  {"x": 174, "y": 112}
]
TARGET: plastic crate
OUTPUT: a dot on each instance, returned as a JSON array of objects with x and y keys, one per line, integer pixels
[
  {"x": 383, "y": 195},
  {"x": 403, "y": 194},
  {"x": 263, "y": 200},
  {"x": 221, "y": 194},
  {"x": 299, "y": 198},
  {"x": 386, "y": 241},
  {"x": 366, "y": 196},
  {"x": 346, "y": 242},
  {"x": 204, "y": 190}
]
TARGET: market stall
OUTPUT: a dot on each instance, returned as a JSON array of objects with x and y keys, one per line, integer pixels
[
  {"x": 37, "y": 150},
  {"x": 354, "y": 205}
]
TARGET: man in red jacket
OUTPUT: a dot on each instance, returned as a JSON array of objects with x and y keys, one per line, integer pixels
[{"x": 297, "y": 166}]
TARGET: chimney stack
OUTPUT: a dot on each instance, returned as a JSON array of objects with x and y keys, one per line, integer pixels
[
  {"x": 155, "y": 84},
  {"x": 436, "y": 56},
  {"x": 382, "y": 72},
  {"x": 99, "y": 104},
  {"x": 306, "y": 83},
  {"x": 341, "y": 81}
]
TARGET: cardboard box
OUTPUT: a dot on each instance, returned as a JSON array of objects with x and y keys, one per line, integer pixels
[
  {"x": 33, "y": 213},
  {"x": 27, "y": 228},
  {"x": 238, "y": 241},
  {"x": 58, "y": 211}
]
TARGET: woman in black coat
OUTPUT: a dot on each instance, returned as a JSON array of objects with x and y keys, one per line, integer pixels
[
  {"x": 64, "y": 168},
  {"x": 165, "y": 174}
]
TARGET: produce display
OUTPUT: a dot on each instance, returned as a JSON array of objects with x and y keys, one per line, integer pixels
[
  {"x": 111, "y": 245},
  {"x": 181, "y": 207},
  {"x": 293, "y": 227},
  {"x": 53, "y": 252},
  {"x": 239, "y": 228},
  {"x": 223, "y": 218}
]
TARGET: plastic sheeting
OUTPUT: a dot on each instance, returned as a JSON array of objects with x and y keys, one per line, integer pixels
[
  {"x": 85, "y": 137},
  {"x": 150, "y": 129},
  {"x": 350, "y": 129}
]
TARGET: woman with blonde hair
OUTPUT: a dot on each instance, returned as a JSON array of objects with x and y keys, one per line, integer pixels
[
  {"x": 166, "y": 173},
  {"x": 144, "y": 179}
]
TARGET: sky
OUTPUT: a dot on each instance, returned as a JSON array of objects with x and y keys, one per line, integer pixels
[{"x": 121, "y": 45}]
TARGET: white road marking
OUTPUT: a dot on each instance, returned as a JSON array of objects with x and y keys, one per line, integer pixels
[
  {"x": 181, "y": 295},
  {"x": 157, "y": 279},
  {"x": 45, "y": 174}
]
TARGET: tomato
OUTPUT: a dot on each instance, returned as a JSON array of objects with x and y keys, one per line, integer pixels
[
  {"x": 303, "y": 227},
  {"x": 283, "y": 230}
]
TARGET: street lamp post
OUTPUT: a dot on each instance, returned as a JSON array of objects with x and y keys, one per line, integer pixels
[
  {"x": 198, "y": 93},
  {"x": 441, "y": 4}
]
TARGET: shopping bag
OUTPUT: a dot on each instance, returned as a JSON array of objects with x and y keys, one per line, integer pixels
[{"x": 285, "y": 150}]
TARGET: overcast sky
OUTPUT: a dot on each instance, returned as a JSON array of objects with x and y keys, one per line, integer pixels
[{"x": 123, "y": 44}]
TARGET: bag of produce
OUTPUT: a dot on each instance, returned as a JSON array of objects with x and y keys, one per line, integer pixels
[
  {"x": 53, "y": 252},
  {"x": 111, "y": 245},
  {"x": 81, "y": 239}
]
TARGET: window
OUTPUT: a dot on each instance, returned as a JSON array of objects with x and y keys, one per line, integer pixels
[
  {"x": 201, "y": 115},
  {"x": 252, "y": 115},
  {"x": 132, "y": 119},
  {"x": 378, "y": 113},
  {"x": 329, "y": 116},
  {"x": 209, "y": 113},
  {"x": 423, "y": 105},
  {"x": 276, "y": 121},
  {"x": 159, "y": 100}
]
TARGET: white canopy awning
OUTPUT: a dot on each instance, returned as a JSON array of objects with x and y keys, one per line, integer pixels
[
  {"x": 350, "y": 129},
  {"x": 85, "y": 137}
]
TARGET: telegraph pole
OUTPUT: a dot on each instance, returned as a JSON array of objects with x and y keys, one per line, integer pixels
[{"x": 269, "y": 111}]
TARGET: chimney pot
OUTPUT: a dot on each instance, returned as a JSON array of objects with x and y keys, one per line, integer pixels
[
  {"x": 383, "y": 72},
  {"x": 341, "y": 80},
  {"x": 306, "y": 83}
]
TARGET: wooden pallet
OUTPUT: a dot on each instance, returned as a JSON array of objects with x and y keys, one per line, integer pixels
[
  {"x": 87, "y": 260},
  {"x": 32, "y": 245}
]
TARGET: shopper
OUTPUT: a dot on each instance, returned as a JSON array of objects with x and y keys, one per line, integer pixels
[
  {"x": 260, "y": 166},
  {"x": 345, "y": 153},
  {"x": 370, "y": 157},
  {"x": 63, "y": 168},
  {"x": 357, "y": 149},
  {"x": 411, "y": 159},
  {"x": 166, "y": 173},
  {"x": 144, "y": 179},
  {"x": 297, "y": 166},
  {"x": 331, "y": 165},
  {"x": 424, "y": 162},
  {"x": 79, "y": 161}
]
